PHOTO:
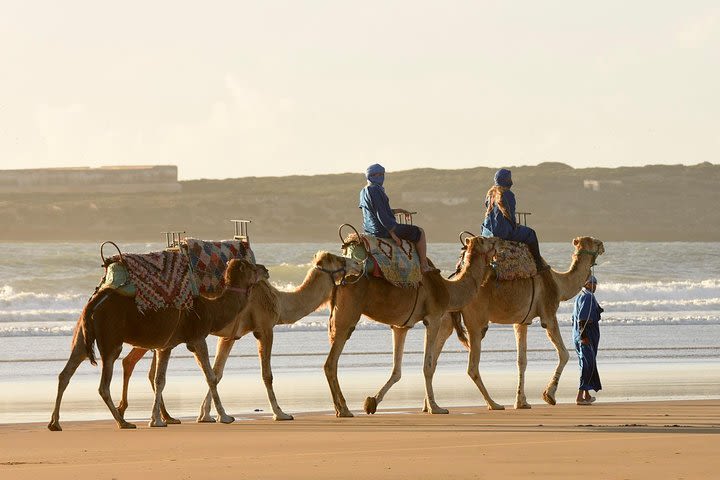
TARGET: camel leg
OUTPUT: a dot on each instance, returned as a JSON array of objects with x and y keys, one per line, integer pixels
[
  {"x": 521, "y": 345},
  {"x": 553, "y": 333},
  {"x": 446, "y": 329},
  {"x": 475, "y": 338},
  {"x": 108, "y": 361},
  {"x": 429, "y": 364},
  {"x": 169, "y": 419},
  {"x": 399, "y": 336},
  {"x": 128, "y": 365},
  {"x": 162, "y": 357},
  {"x": 265, "y": 342},
  {"x": 224, "y": 346},
  {"x": 200, "y": 350},
  {"x": 344, "y": 325},
  {"x": 77, "y": 355}
]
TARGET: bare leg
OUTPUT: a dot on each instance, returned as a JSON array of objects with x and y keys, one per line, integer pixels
[
  {"x": 553, "y": 333},
  {"x": 224, "y": 346},
  {"x": 421, "y": 246},
  {"x": 521, "y": 345},
  {"x": 264, "y": 342},
  {"x": 200, "y": 351},
  {"x": 399, "y": 336},
  {"x": 128, "y": 364},
  {"x": 429, "y": 364},
  {"x": 475, "y": 337},
  {"x": 162, "y": 357},
  {"x": 77, "y": 355}
]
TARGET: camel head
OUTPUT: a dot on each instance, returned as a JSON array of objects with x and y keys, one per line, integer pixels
[
  {"x": 336, "y": 266},
  {"x": 588, "y": 246},
  {"x": 482, "y": 250},
  {"x": 243, "y": 274}
]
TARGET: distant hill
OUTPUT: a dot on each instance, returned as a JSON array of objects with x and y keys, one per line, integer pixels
[{"x": 655, "y": 202}]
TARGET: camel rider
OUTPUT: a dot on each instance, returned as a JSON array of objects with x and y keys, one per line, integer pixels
[
  {"x": 500, "y": 217},
  {"x": 379, "y": 218},
  {"x": 586, "y": 336}
]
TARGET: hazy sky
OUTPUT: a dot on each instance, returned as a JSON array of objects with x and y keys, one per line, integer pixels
[{"x": 236, "y": 88}]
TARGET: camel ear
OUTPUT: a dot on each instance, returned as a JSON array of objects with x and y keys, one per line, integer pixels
[
  {"x": 467, "y": 241},
  {"x": 576, "y": 242}
]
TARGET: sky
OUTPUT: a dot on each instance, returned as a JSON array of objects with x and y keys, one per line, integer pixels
[{"x": 227, "y": 89}]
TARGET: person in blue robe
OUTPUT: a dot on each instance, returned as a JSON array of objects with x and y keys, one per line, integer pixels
[
  {"x": 586, "y": 336},
  {"x": 500, "y": 217},
  {"x": 379, "y": 218}
]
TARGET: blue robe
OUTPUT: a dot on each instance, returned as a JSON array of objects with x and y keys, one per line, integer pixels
[
  {"x": 378, "y": 218},
  {"x": 587, "y": 313},
  {"x": 496, "y": 225}
]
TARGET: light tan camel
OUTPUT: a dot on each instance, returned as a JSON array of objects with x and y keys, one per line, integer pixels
[
  {"x": 266, "y": 308},
  {"x": 112, "y": 319},
  {"x": 518, "y": 302},
  {"x": 401, "y": 308}
]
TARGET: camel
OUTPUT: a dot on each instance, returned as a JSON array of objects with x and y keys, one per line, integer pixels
[
  {"x": 266, "y": 308},
  {"x": 518, "y": 302},
  {"x": 112, "y": 319},
  {"x": 401, "y": 308}
]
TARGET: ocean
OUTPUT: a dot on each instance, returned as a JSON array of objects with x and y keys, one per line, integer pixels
[{"x": 660, "y": 337}]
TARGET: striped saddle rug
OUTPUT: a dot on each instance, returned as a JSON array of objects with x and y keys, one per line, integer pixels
[
  {"x": 161, "y": 279},
  {"x": 399, "y": 265}
]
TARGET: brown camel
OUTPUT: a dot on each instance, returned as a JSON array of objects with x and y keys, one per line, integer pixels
[
  {"x": 112, "y": 319},
  {"x": 266, "y": 308},
  {"x": 401, "y": 308},
  {"x": 518, "y": 302}
]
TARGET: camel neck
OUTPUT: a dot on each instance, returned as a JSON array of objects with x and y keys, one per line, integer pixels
[
  {"x": 569, "y": 283},
  {"x": 308, "y": 297},
  {"x": 464, "y": 286}
]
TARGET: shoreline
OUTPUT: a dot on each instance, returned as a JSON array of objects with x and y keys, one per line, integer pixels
[{"x": 663, "y": 439}]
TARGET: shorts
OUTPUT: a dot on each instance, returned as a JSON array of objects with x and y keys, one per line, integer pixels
[{"x": 411, "y": 233}]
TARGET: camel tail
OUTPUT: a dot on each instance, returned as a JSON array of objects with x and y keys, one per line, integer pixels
[
  {"x": 87, "y": 328},
  {"x": 460, "y": 328}
]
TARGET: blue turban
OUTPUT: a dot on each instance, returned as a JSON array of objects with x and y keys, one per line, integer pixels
[
  {"x": 373, "y": 169},
  {"x": 591, "y": 279},
  {"x": 503, "y": 177}
]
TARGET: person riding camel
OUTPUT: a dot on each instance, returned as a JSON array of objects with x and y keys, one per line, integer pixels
[
  {"x": 379, "y": 218},
  {"x": 500, "y": 217}
]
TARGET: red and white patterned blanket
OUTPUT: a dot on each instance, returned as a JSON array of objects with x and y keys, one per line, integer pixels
[{"x": 208, "y": 261}]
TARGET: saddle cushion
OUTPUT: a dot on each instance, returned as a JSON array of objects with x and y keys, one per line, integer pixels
[
  {"x": 161, "y": 279},
  {"x": 208, "y": 261},
  {"x": 513, "y": 261},
  {"x": 400, "y": 265}
]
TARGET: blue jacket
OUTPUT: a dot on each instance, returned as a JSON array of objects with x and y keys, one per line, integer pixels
[
  {"x": 495, "y": 224},
  {"x": 586, "y": 309},
  {"x": 378, "y": 218}
]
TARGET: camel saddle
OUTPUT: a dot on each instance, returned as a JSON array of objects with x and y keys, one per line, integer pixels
[
  {"x": 513, "y": 261},
  {"x": 173, "y": 277},
  {"x": 399, "y": 265}
]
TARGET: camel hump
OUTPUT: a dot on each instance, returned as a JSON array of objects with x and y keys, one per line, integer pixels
[{"x": 513, "y": 261}]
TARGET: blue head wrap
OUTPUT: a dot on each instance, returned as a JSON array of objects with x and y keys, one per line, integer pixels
[
  {"x": 374, "y": 169},
  {"x": 503, "y": 177},
  {"x": 592, "y": 279}
]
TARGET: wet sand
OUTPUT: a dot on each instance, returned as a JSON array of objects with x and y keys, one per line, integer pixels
[{"x": 665, "y": 439}]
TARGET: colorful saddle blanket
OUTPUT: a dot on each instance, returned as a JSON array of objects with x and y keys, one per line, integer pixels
[
  {"x": 513, "y": 261},
  {"x": 399, "y": 265},
  {"x": 161, "y": 279},
  {"x": 208, "y": 261}
]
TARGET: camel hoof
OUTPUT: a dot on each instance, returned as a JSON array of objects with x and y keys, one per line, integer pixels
[
  {"x": 550, "y": 400},
  {"x": 439, "y": 411},
  {"x": 344, "y": 414},
  {"x": 370, "y": 405},
  {"x": 54, "y": 427},
  {"x": 282, "y": 416},
  {"x": 523, "y": 406},
  {"x": 205, "y": 419},
  {"x": 127, "y": 425},
  {"x": 496, "y": 406},
  {"x": 226, "y": 419},
  {"x": 172, "y": 421},
  {"x": 157, "y": 423}
]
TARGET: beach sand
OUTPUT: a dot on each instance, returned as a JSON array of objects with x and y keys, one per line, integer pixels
[{"x": 636, "y": 440}]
